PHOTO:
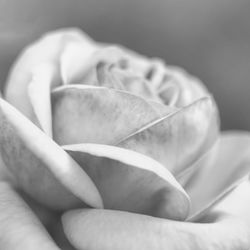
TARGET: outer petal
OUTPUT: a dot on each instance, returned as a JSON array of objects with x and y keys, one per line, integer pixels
[
  {"x": 83, "y": 113},
  {"x": 224, "y": 228},
  {"x": 29, "y": 71},
  {"x": 229, "y": 165},
  {"x": 19, "y": 227},
  {"x": 5, "y": 174},
  {"x": 132, "y": 182},
  {"x": 180, "y": 138},
  {"x": 40, "y": 166},
  {"x": 75, "y": 59},
  {"x": 235, "y": 204}
]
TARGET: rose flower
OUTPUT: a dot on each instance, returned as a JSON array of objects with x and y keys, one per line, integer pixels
[{"x": 100, "y": 128}]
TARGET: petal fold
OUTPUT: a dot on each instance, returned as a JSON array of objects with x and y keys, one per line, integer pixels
[
  {"x": 130, "y": 181},
  {"x": 45, "y": 51},
  {"x": 40, "y": 166},
  {"x": 227, "y": 165},
  {"x": 39, "y": 94},
  {"x": 180, "y": 138}
]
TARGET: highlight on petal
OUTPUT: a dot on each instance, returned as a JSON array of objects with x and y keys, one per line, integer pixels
[
  {"x": 230, "y": 165},
  {"x": 177, "y": 140},
  {"x": 40, "y": 166},
  {"x": 131, "y": 181},
  {"x": 39, "y": 94},
  {"x": 83, "y": 113},
  {"x": 75, "y": 60}
]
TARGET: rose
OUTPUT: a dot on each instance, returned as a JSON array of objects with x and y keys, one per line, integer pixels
[
  {"x": 137, "y": 121},
  {"x": 151, "y": 110}
]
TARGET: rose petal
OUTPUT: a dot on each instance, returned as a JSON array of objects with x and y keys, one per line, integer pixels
[
  {"x": 229, "y": 166},
  {"x": 156, "y": 72},
  {"x": 110, "y": 76},
  {"x": 5, "y": 174},
  {"x": 46, "y": 216},
  {"x": 75, "y": 59},
  {"x": 80, "y": 60},
  {"x": 235, "y": 203},
  {"x": 130, "y": 181},
  {"x": 40, "y": 166},
  {"x": 185, "y": 176},
  {"x": 106, "y": 78},
  {"x": 39, "y": 94},
  {"x": 180, "y": 138},
  {"x": 190, "y": 88},
  {"x": 116, "y": 230},
  {"x": 130, "y": 81},
  {"x": 46, "y": 50},
  {"x": 35, "y": 72},
  {"x": 19, "y": 227},
  {"x": 162, "y": 109},
  {"x": 169, "y": 93},
  {"x": 83, "y": 113}
]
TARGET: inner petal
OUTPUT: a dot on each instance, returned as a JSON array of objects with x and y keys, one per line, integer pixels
[
  {"x": 180, "y": 138},
  {"x": 83, "y": 113}
]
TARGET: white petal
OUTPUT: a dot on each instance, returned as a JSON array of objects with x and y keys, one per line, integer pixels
[
  {"x": 40, "y": 166},
  {"x": 229, "y": 166},
  {"x": 39, "y": 94},
  {"x": 130, "y": 181}
]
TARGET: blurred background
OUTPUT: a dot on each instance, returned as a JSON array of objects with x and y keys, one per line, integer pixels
[{"x": 209, "y": 38}]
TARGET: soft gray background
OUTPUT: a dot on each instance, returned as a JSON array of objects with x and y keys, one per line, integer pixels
[{"x": 209, "y": 38}]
